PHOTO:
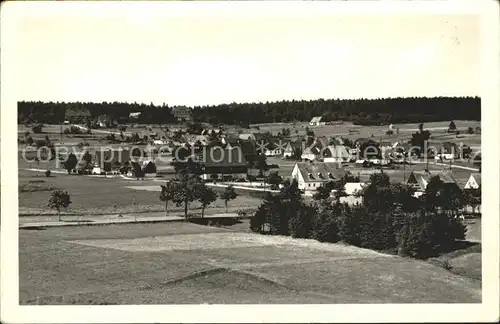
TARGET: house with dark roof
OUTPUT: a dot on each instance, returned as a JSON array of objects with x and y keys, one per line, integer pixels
[
  {"x": 76, "y": 116},
  {"x": 311, "y": 175},
  {"x": 314, "y": 151},
  {"x": 474, "y": 181},
  {"x": 293, "y": 148},
  {"x": 336, "y": 154},
  {"x": 182, "y": 113},
  {"x": 275, "y": 146},
  {"x": 447, "y": 151},
  {"x": 248, "y": 147},
  {"x": 311, "y": 153},
  {"x": 420, "y": 180},
  {"x": 105, "y": 121},
  {"x": 112, "y": 160},
  {"x": 230, "y": 142},
  {"x": 220, "y": 164}
]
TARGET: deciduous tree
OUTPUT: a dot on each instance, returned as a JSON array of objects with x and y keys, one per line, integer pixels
[
  {"x": 206, "y": 196},
  {"x": 167, "y": 193},
  {"x": 59, "y": 199},
  {"x": 228, "y": 194}
]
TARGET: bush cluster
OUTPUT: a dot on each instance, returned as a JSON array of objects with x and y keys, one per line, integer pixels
[
  {"x": 405, "y": 228},
  {"x": 73, "y": 130}
]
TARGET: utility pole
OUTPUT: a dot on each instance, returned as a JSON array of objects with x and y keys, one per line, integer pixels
[
  {"x": 426, "y": 158},
  {"x": 404, "y": 169}
]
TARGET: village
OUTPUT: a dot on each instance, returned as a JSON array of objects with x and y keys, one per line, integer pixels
[{"x": 260, "y": 160}]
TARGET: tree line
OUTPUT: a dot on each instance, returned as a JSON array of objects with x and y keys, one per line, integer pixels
[
  {"x": 359, "y": 111},
  {"x": 389, "y": 218}
]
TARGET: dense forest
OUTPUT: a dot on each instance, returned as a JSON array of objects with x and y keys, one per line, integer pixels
[{"x": 359, "y": 111}]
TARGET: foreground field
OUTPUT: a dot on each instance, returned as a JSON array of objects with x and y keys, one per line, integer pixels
[{"x": 186, "y": 263}]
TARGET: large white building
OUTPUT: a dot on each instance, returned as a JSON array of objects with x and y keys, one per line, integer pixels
[{"x": 311, "y": 175}]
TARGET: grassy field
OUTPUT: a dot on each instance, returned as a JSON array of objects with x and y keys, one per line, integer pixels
[
  {"x": 184, "y": 263},
  {"x": 437, "y": 129},
  {"x": 92, "y": 195}
]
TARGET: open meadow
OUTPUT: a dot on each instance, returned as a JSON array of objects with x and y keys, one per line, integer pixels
[
  {"x": 184, "y": 263},
  {"x": 96, "y": 195},
  {"x": 352, "y": 132}
]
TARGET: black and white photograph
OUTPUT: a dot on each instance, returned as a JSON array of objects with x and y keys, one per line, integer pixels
[{"x": 221, "y": 153}]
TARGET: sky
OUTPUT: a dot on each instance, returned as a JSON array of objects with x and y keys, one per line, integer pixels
[{"x": 187, "y": 56}]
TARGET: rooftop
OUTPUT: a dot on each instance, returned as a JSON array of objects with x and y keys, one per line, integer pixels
[
  {"x": 320, "y": 171},
  {"x": 477, "y": 177}
]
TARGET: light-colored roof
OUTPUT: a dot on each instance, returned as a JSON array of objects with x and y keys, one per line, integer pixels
[
  {"x": 320, "y": 171},
  {"x": 477, "y": 177},
  {"x": 350, "y": 188},
  {"x": 311, "y": 150},
  {"x": 316, "y": 119},
  {"x": 246, "y": 136}
]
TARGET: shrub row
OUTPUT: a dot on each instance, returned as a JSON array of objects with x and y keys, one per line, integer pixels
[{"x": 420, "y": 234}]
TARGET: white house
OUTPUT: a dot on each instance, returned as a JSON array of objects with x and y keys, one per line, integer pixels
[
  {"x": 380, "y": 161},
  {"x": 474, "y": 181},
  {"x": 444, "y": 156},
  {"x": 97, "y": 170},
  {"x": 292, "y": 148},
  {"x": 134, "y": 115},
  {"x": 273, "y": 151},
  {"x": 316, "y": 121},
  {"x": 448, "y": 151},
  {"x": 311, "y": 175},
  {"x": 160, "y": 142},
  {"x": 352, "y": 189},
  {"x": 311, "y": 153}
]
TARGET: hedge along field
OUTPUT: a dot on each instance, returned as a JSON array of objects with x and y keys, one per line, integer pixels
[{"x": 389, "y": 219}]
